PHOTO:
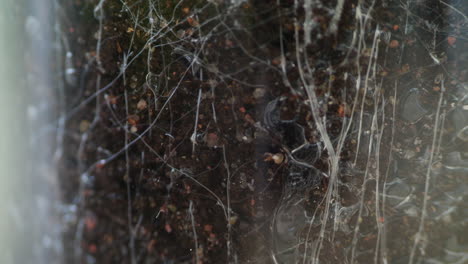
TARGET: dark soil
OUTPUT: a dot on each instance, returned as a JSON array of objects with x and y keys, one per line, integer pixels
[{"x": 177, "y": 152}]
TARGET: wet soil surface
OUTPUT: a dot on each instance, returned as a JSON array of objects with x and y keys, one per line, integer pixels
[{"x": 265, "y": 131}]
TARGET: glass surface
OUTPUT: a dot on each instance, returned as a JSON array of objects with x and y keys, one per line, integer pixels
[{"x": 287, "y": 131}]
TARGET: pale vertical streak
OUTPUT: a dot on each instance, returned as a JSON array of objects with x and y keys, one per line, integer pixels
[
  {"x": 84, "y": 137},
  {"x": 131, "y": 243},
  {"x": 195, "y": 237},
  {"x": 228, "y": 201},
  {"x": 383, "y": 246},
  {"x": 366, "y": 81},
  {"x": 372, "y": 61},
  {"x": 336, "y": 17},
  {"x": 363, "y": 190},
  {"x": 378, "y": 214},
  {"x": 193, "y": 138},
  {"x": 418, "y": 235}
]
